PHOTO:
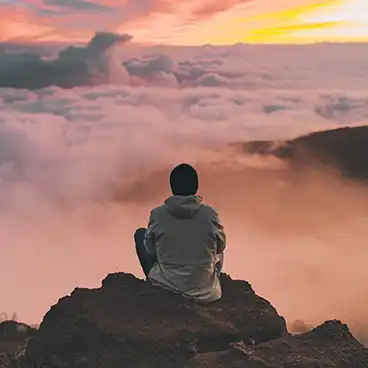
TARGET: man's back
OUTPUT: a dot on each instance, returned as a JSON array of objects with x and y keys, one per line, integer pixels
[{"x": 187, "y": 237}]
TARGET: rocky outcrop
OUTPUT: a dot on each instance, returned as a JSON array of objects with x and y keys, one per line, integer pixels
[
  {"x": 14, "y": 337},
  {"x": 345, "y": 149},
  {"x": 128, "y": 323},
  {"x": 330, "y": 345}
]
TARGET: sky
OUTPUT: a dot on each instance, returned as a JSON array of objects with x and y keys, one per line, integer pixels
[{"x": 188, "y": 22}]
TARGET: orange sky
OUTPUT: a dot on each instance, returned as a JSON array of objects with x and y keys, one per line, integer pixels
[{"x": 188, "y": 22}]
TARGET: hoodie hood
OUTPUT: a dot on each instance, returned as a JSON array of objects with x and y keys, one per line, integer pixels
[{"x": 183, "y": 206}]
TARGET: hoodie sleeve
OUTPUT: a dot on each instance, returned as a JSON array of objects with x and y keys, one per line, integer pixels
[
  {"x": 220, "y": 233},
  {"x": 149, "y": 239}
]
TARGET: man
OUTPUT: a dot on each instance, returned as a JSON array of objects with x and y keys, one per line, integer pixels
[{"x": 182, "y": 249}]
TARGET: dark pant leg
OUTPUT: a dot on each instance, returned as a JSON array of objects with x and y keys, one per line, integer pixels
[
  {"x": 219, "y": 264},
  {"x": 145, "y": 259}
]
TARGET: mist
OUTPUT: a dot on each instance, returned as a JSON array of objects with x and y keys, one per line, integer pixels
[
  {"x": 81, "y": 168},
  {"x": 298, "y": 237}
]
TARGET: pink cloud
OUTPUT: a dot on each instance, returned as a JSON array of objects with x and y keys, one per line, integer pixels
[
  {"x": 78, "y": 19},
  {"x": 210, "y": 7},
  {"x": 73, "y": 19},
  {"x": 81, "y": 168}
]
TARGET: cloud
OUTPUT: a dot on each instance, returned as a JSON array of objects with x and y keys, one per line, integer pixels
[
  {"x": 209, "y": 8},
  {"x": 78, "y": 5},
  {"x": 63, "y": 21},
  {"x": 149, "y": 66},
  {"x": 74, "y": 66},
  {"x": 192, "y": 22},
  {"x": 81, "y": 167},
  {"x": 238, "y": 67}
]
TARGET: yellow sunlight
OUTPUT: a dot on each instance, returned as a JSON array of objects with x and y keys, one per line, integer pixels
[{"x": 314, "y": 21}]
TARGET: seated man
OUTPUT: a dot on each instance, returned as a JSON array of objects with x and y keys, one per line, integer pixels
[{"x": 182, "y": 249}]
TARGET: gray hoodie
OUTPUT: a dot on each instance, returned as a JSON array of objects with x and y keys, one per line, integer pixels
[{"x": 186, "y": 236}]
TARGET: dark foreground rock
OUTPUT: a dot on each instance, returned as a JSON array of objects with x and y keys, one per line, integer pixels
[
  {"x": 330, "y": 345},
  {"x": 14, "y": 338},
  {"x": 127, "y": 323}
]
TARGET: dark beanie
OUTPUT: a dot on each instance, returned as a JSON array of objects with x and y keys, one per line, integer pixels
[{"x": 184, "y": 180}]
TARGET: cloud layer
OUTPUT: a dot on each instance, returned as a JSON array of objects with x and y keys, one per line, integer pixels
[
  {"x": 112, "y": 59},
  {"x": 81, "y": 167}
]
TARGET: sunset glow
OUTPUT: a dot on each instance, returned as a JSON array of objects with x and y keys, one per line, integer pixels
[{"x": 192, "y": 22}]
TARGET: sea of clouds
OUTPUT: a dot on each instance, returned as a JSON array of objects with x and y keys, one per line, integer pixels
[{"x": 88, "y": 137}]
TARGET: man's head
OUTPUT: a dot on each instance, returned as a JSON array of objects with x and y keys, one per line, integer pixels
[{"x": 184, "y": 180}]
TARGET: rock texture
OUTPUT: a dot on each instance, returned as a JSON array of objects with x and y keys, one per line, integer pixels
[
  {"x": 128, "y": 323},
  {"x": 14, "y": 338},
  {"x": 330, "y": 345},
  {"x": 346, "y": 149}
]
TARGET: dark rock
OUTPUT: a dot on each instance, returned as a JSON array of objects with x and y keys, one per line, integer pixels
[
  {"x": 345, "y": 149},
  {"x": 14, "y": 337},
  {"x": 128, "y": 323},
  {"x": 15, "y": 331},
  {"x": 330, "y": 345}
]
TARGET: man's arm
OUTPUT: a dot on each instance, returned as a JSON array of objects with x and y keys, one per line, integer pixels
[
  {"x": 220, "y": 233},
  {"x": 149, "y": 239}
]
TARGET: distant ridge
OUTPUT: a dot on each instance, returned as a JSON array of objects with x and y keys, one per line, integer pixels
[{"x": 344, "y": 148}]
